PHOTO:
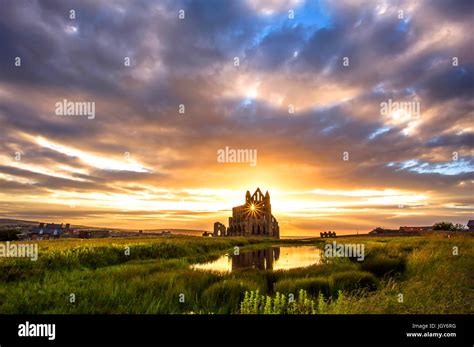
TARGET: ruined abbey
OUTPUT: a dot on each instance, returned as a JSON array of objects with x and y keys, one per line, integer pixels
[{"x": 254, "y": 218}]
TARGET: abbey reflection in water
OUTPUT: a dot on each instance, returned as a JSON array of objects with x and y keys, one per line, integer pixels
[
  {"x": 271, "y": 258},
  {"x": 262, "y": 259}
]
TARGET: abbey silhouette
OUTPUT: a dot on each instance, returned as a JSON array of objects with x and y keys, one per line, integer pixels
[{"x": 254, "y": 218}]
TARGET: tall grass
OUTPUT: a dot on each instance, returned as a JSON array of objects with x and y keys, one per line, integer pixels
[
  {"x": 312, "y": 285},
  {"x": 157, "y": 274},
  {"x": 95, "y": 253}
]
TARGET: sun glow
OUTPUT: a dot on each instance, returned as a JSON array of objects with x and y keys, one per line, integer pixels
[
  {"x": 254, "y": 210},
  {"x": 400, "y": 116}
]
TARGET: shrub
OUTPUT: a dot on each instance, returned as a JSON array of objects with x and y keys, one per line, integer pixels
[
  {"x": 255, "y": 303},
  {"x": 381, "y": 265},
  {"x": 9, "y": 234},
  {"x": 448, "y": 226},
  {"x": 352, "y": 280}
]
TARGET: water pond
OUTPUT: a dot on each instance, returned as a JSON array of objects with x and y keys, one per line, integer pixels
[{"x": 272, "y": 258}]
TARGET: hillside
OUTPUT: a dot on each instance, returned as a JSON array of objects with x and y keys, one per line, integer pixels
[{"x": 6, "y": 222}]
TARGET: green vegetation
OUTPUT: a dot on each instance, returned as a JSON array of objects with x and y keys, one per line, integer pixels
[
  {"x": 448, "y": 226},
  {"x": 255, "y": 303},
  {"x": 156, "y": 278}
]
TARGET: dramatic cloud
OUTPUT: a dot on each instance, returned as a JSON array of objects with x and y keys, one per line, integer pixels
[{"x": 300, "y": 82}]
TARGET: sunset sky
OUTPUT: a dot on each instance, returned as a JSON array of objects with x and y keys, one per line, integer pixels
[{"x": 140, "y": 163}]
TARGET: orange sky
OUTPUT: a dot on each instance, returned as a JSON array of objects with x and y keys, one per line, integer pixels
[{"x": 327, "y": 154}]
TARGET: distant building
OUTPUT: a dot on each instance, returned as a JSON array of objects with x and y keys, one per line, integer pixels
[
  {"x": 416, "y": 229},
  {"x": 219, "y": 229},
  {"x": 470, "y": 225},
  {"x": 93, "y": 233},
  {"x": 384, "y": 232},
  {"x": 327, "y": 234},
  {"x": 48, "y": 231},
  {"x": 402, "y": 231}
]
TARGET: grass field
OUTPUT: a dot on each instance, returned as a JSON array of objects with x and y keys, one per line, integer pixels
[{"x": 398, "y": 275}]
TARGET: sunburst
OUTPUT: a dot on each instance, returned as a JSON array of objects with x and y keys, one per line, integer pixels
[{"x": 253, "y": 210}]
